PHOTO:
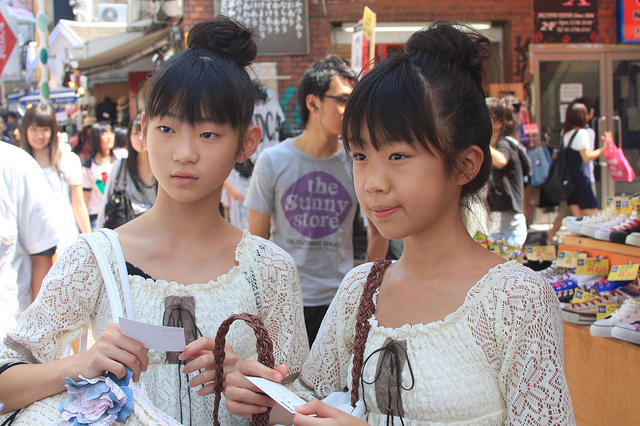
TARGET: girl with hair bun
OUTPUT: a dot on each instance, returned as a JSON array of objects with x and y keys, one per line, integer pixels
[
  {"x": 450, "y": 333},
  {"x": 187, "y": 265}
]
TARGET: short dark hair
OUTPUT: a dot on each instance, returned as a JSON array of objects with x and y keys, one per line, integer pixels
[
  {"x": 502, "y": 111},
  {"x": 317, "y": 78},
  {"x": 431, "y": 97},
  {"x": 208, "y": 81},
  {"x": 577, "y": 117}
]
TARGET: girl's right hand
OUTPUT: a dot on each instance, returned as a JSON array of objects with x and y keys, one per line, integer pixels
[
  {"x": 112, "y": 352},
  {"x": 325, "y": 416},
  {"x": 243, "y": 397}
]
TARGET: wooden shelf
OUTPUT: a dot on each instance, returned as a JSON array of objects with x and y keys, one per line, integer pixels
[
  {"x": 603, "y": 373},
  {"x": 607, "y": 246},
  {"x": 603, "y": 376},
  {"x": 618, "y": 254}
]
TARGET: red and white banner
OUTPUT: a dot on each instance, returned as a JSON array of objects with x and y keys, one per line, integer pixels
[{"x": 9, "y": 55}]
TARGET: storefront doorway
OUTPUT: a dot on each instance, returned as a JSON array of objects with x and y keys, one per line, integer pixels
[{"x": 607, "y": 74}]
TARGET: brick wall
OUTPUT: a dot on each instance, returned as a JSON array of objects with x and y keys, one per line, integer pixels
[{"x": 516, "y": 17}]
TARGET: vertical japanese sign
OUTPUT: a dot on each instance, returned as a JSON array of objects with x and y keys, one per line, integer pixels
[
  {"x": 629, "y": 21},
  {"x": 363, "y": 43},
  {"x": 565, "y": 21},
  {"x": 281, "y": 25},
  {"x": 9, "y": 57}
]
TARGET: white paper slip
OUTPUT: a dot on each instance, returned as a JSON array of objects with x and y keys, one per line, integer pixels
[
  {"x": 278, "y": 393},
  {"x": 158, "y": 337}
]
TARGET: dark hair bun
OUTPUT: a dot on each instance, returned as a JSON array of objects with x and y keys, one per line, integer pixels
[
  {"x": 224, "y": 37},
  {"x": 456, "y": 44}
]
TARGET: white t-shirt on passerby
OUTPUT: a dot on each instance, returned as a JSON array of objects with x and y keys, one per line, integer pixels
[
  {"x": 70, "y": 175},
  {"x": 28, "y": 223},
  {"x": 312, "y": 203}
]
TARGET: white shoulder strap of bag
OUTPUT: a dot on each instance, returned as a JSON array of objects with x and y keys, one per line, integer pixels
[
  {"x": 107, "y": 274},
  {"x": 109, "y": 280}
]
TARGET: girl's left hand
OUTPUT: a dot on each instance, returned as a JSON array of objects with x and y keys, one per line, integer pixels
[
  {"x": 326, "y": 415},
  {"x": 201, "y": 351}
]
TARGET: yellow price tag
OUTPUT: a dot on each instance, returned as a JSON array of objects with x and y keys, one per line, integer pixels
[
  {"x": 593, "y": 267},
  {"x": 541, "y": 252},
  {"x": 624, "y": 272},
  {"x": 604, "y": 311},
  {"x": 569, "y": 259},
  {"x": 581, "y": 296},
  {"x": 626, "y": 207}
]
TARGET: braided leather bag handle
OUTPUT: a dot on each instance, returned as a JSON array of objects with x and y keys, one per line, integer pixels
[
  {"x": 366, "y": 309},
  {"x": 265, "y": 356}
]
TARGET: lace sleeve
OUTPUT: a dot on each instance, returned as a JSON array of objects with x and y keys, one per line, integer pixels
[
  {"x": 281, "y": 299},
  {"x": 70, "y": 294},
  {"x": 529, "y": 335},
  {"x": 327, "y": 368}
]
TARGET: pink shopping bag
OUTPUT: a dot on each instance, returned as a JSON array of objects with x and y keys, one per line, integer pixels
[{"x": 618, "y": 164}]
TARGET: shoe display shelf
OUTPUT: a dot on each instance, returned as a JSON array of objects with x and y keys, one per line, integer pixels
[{"x": 603, "y": 373}]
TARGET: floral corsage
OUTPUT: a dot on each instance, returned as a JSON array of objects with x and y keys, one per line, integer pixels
[{"x": 99, "y": 402}]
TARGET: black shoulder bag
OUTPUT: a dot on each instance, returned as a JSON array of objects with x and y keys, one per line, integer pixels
[
  {"x": 559, "y": 185},
  {"x": 118, "y": 209}
]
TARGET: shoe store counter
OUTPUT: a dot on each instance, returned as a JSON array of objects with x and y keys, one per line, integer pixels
[
  {"x": 603, "y": 373},
  {"x": 603, "y": 376}
]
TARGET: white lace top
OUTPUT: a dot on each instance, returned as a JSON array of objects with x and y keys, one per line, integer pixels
[
  {"x": 498, "y": 359},
  {"x": 73, "y": 297}
]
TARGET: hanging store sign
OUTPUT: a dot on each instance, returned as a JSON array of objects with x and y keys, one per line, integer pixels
[
  {"x": 9, "y": 59},
  {"x": 281, "y": 25},
  {"x": 628, "y": 21},
  {"x": 565, "y": 21}
]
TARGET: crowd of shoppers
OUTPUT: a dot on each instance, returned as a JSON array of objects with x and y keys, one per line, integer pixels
[{"x": 412, "y": 169}]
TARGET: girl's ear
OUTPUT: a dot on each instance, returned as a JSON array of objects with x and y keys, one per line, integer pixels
[
  {"x": 471, "y": 161},
  {"x": 251, "y": 142}
]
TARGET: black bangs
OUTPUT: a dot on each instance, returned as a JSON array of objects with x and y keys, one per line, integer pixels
[
  {"x": 393, "y": 101},
  {"x": 196, "y": 87}
]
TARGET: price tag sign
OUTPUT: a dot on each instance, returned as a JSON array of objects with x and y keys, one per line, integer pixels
[
  {"x": 581, "y": 296},
  {"x": 569, "y": 259},
  {"x": 624, "y": 272},
  {"x": 593, "y": 267},
  {"x": 604, "y": 311},
  {"x": 627, "y": 206},
  {"x": 541, "y": 253}
]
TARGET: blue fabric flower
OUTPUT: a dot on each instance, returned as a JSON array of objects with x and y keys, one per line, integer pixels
[{"x": 99, "y": 402}]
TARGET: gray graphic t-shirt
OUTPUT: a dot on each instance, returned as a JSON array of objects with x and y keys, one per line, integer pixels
[{"x": 312, "y": 203}]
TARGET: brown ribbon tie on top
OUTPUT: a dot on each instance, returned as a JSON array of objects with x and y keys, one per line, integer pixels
[{"x": 264, "y": 346}]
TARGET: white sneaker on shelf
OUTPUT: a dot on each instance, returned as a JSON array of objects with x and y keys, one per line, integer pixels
[
  {"x": 585, "y": 312},
  {"x": 627, "y": 332},
  {"x": 589, "y": 229},
  {"x": 628, "y": 313},
  {"x": 633, "y": 239},
  {"x": 632, "y": 221},
  {"x": 575, "y": 224}
]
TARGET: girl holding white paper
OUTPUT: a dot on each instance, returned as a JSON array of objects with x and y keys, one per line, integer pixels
[
  {"x": 450, "y": 333},
  {"x": 186, "y": 264}
]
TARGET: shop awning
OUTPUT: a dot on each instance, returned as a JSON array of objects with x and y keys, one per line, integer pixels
[{"x": 127, "y": 52}]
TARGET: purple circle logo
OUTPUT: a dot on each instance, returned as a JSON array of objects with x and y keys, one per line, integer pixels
[{"x": 316, "y": 205}]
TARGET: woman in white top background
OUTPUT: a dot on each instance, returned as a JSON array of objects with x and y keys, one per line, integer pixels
[
  {"x": 576, "y": 137},
  {"x": 39, "y": 130}
]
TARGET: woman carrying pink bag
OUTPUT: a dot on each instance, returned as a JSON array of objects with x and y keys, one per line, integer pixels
[{"x": 618, "y": 165}]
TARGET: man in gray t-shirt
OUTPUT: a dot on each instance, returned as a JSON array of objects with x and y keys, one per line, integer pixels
[{"x": 301, "y": 194}]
